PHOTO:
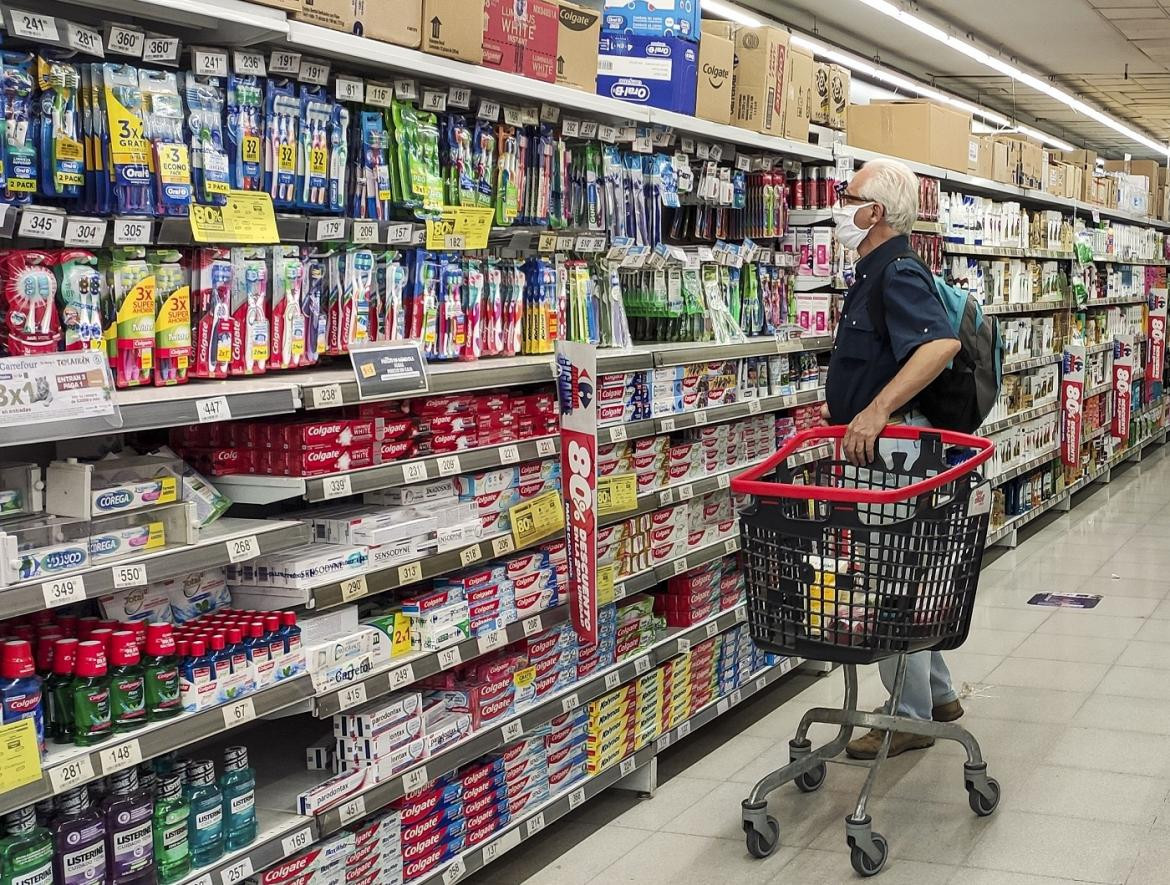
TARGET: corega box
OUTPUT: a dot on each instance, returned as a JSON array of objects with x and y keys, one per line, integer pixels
[
  {"x": 658, "y": 71},
  {"x": 453, "y": 29},
  {"x": 368, "y": 18},
  {"x": 799, "y": 94},
  {"x": 716, "y": 77},
  {"x": 761, "y": 56},
  {"x": 921, "y": 131},
  {"x": 578, "y": 32}
]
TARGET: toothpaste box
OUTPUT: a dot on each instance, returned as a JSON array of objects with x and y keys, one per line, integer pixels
[
  {"x": 423, "y": 493},
  {"x": 377, "y": 716},
  {"x": 447, "y": 731}
]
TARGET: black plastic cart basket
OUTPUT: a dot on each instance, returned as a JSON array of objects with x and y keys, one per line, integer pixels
[{"x": 852, "y": 565}]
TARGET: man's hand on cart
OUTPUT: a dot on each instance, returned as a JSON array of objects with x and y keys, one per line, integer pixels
[{"x": 862, "y": 433}]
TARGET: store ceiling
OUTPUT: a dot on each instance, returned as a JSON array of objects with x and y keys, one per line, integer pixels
[{"x": 1114, "y": 54}]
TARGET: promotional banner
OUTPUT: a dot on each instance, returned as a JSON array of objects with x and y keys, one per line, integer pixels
[
  {"x": 1156, "y": 331},
  {"x": 1072, "y": 396},
  {"x": 47, "y": 387},
  {"x": 1122, "y": 386},
  {"x": 576, "y": 374}
]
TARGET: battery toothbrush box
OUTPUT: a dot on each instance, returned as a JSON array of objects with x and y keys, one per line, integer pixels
[
  {"x": 679, "y": 19},
  {"x": 658, "y": 71}
]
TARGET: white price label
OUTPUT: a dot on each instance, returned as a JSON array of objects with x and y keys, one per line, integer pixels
[
  {"x": 509, "y": 454},
  {"x": 662, "y": 743},
  {"x": 281, "y": 61},
  {"x": 513, "y": 116},
  {"x": 570, "y": 703},
  {"x": 684, "y": 645},
  {"x": 290, "y": 845},
  {"x": 761, "y": 683},
  {"x": 627, "y": 765},
  {"x": 570, "y": 128},
  {"x": 454, "y": 872},
  {"x": 41, "y": 28},
  {"x": 607, "y": 134},
  {"x": 680, "y": 565},
  {"x": 612, "y": 680},
  {"x": 619, "y": 592},
  {"x": 686, "y": 492},
  {"x": 401, "y": 677},
  {"x": 711, "y": 629},
  {"x": 313, "y": 72},
  {"x": 209, "y": 62},
  {"x": 72, "y": 773},
  {"x": 240, "y": 549},
  {"x": 492, "y": 640},
  {"x": 406, "y": 90},
  {"x": 736, "y": 697},
  {"x": 434, "y": 100},
  {"x": 459, "y": 97},
  {"x": 337, "y": 486},
  {"x": 589, "y": 129},
  {"x": 665, "y": 497},
  {"x": 399, "y": 235},
  {"x": 329, "y": 229},
  {"x": 530, "y": 116},
  {"x": 687, "y": 145},
  {"x": 86, "y": 233},
  {"x": 532, "y": 626},
  {"x": 353, "y": 696},
  {"x": 88, "y": 40},
  {"x": 721, "y": 707},
  {"x": 63, "y": 591},
  {"x": 450, "y": 657},
  {"x": 415, "y": 780},
  {"x": 730, "y": 546},
  {"x": 643, "y": 145},
  {"x": 41, "y": 224},
  {"x": 354, "y": 588},
  {"x": 587, "y": 243},
  {"x": 535, "y": 825},
  {"x": 740, "y": 614},
  {"x": 448, "y": 465},
  {"x": 455, "y": 242},
  {"x": 546, "y": 448},
  {"x": 239, "y": 713},
  {"x": 131, "y": 574},
  {"x": 743, "y": 163},
  {"x": 512, "y": 731},
  {"x": 503, "y": 544},
  {"x": 754, "y": 406},
  {"x": 327, "y": 395},
  {"x": 488, "y": 110},
  {"x": 471, "y": 554},
  {"x": 349, "y": 89},
  {"x": 701, "y": 416},
  {"x": 724, "y": 480},
  {"x": 576, "y": 797},
  {"x": 252, "y": 63},
  {"x": 617, "y": 434},
  {"x": 379, "y": 95},
  {"x": 684, "y": 729},
  {"x": 549, "y": 113},
  {"x": 716, "y": 152},
  {"x": 121, "y": 756},
  {"x": 363, "y": 232},
  {"x": 642, "y": 664},
  {"x": 212, "y": 408},
  {"x": 133, "y": 231},
  {"x": 667, "y": 425},
  {"x": 205, "y": 879},
  {"x": 125, "y": 41},
  {"x": 415, "y": 471},
  {"x": 410, "y": 573},
  {"x": 352, "y": 810}
]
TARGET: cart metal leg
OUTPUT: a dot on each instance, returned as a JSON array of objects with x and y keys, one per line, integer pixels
[{"x": 807, "y": 769}]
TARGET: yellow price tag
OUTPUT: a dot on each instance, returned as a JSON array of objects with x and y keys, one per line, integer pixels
[
  {"x": 20, "y": 760},
  {"x": 524, "y": 678},
  {"x": 536, "y": 519},
  {"x": 605, "y": 581},
  {"x": 617, "y": 494},
  {"x": 247, "y": 218},
  {"x": 473, "y": 224}
]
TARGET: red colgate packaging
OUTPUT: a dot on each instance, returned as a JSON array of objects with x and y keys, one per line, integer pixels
[
  {"x": 322, "y": 459},
  {"x": 251, "y": 341},
  {"x": 310, "y": 434}
]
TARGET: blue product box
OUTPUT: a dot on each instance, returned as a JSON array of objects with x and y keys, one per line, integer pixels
[
  {"x": 658, "y": 71},
  {"x": 654, "y": 18}
]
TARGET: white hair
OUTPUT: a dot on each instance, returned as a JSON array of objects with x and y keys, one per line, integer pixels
[{"x": 895, "y": 186}]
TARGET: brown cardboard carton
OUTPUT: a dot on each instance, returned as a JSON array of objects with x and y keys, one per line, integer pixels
[
  {"x": 839, "y": 80},
  {"x": 981, "y": 150},
  {"x": 800, "y": 94},
  {"x": 1057, "y": 180},
  {"x": 713, "y": 97},
  {"x": 578, "y": 30},
  {"x": 1086, "y": 159},
  {"x": 1074, "y": 184},
  {"x": 367, "y": 18},
  {"x": 761, "y": 57},
  {"x": 1005, "y": 161},
  {"x": 921, "y": 131},
  {"x": 293, "y": 6},
  {"x": 822, "y": 95},
  {"x": 454, "y": 29}
]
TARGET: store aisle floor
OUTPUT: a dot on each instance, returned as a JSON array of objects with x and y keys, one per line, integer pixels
[{"x": 1072, "y": 709}]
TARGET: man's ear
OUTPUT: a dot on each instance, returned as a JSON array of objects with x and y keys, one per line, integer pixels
[{"x": 878, "y": 213}]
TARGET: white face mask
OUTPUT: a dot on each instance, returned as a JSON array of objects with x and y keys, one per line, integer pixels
[{"x": 848, "y": 233}]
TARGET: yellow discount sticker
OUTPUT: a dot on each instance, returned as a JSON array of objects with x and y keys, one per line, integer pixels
[
  {"x": 460, "y": 227},
  {"x": 605, "y": 581},
  {"x": 536, "y": 519},
  {"x": 617, "y": 494},
  {"x": 20, "y": 760},
  {"x": 247, "y": 218}
]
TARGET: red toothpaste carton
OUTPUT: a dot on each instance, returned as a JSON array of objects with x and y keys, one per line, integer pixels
[
  {"x": 324, "y": 459},
  {"x": 398, "y": 449},
  {"x": 308, "y": 434}
]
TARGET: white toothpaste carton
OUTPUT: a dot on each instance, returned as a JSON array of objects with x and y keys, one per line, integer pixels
[
  {"x": 416, "y": 494},
  {"x": 377, "y": 716}
]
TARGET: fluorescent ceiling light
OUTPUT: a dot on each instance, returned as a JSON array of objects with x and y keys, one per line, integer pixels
[
  {"x": 1047, "y": 139},
  {"x": 734, "y": 13},
  {"x": 1020, "y": 76}
]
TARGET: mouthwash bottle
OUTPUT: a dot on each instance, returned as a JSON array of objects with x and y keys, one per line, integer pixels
[
  {"x": 57, "y": 695},
  {"x": 205, "y": 822},
  {"x": 128, "y": 810},
  {"x": 160, "y": 673},
  {"x": 26, "y": 851},
  {"x": 127, "y": 695},
  {"x": 79, "y": 840},
  {"x": 90, "y": 690},
  {"x": 172, "y": 851},
  {"x": 20, "y": 688},
  {"x": 238, "y": 784}
]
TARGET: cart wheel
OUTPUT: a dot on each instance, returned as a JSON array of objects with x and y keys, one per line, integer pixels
[
  {"x": 862, "y": 862},
  {"x": 984, "y": 805},
  {"x": 811, "y": 781},
  {"x": 760, "y": 845}
]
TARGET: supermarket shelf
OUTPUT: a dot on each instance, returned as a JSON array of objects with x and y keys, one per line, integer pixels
[
  {"x": 1096, "y": 389},
  {"x": 1021, "y": 469},
  {"x": 1113, "y": 302},
  {"x": 1019, "y": 418},
  {"x": 1018, "y": 522},
  {"x": 677, "y": 493},
  {"x": 681, "y": 354},
  {"x": 72, "y": 766},
  {"x": 928, "y": 227},
  {"x": 488, "y": 739},
  {"x": 1095, "y": 433},
  {"x": 1033, "y": 363},
  {"x": 743, "y": 138},
  {"x": 652, "y": 577},
  {"x": 1030, "y": 307},
  {"x": 809, "y": 217},
  {"x": 220, "y": 543},
  {"x": 1007, "y": 252},
  {"x": 815, "y": 284},
  {"x": 229, "y": 22},
  {"x": 1136, "y": 448},
  {"x": 279, "y": 835},
  {"x": 1098, "y": 348},
  {"x": 1113, "y": 259}
]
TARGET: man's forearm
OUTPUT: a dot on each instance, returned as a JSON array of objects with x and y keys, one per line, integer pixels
[{"x": 924, "y": 365}]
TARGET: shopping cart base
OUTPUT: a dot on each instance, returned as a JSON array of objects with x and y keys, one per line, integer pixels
[{"x": 807, "y": 769}]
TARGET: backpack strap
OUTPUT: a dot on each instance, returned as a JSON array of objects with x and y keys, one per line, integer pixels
[{"x": 877, "y": 306}]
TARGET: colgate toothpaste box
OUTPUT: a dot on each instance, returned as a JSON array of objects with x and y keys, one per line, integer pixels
[
  {"x": 324, "y": 459},
  {"x": 331, "y": 851},
  {"x": 569, "y": 774},
  {"x": 421, "y": 604},
  {"x": 421, "y": 804},
  {"x": 489, "y": 573},
  {"x": 486, "y": 711},
  {"x": 436, "y": 846},
  {"x": 443, "y": 817},
  {"x": 308, "y": 434},
  {"x": 519, "y": 803},
  {"x": 485, "y": 826}
]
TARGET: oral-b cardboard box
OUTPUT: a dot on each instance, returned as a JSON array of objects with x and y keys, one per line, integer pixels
[
  {"x": 653, "y": 18},
  {"x": 658, "y": 71}
]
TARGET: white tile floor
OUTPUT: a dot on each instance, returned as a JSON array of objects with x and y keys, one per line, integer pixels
[{"x": 1072, "y": 709}]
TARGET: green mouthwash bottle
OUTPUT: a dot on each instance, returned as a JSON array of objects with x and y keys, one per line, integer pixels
[
  {"x": 26, "y": 852},
  {"x": 205, "y": 822},
  {"x": 127, "y": 693},
  {"x": 238, "y": 784},
  {"x": 172, "y": 851},
  {"x": 90, "y": 690}
]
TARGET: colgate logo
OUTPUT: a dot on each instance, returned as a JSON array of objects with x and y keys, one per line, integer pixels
[
  {"x": 419, "y": 829},
  {"x": 291, "y": 868},
  {"x": 25, "y": 704},
  {"x": 481, "y": 819},
  {"x": 420, "y": 809},
  {"x": 416, "y": 868},
  {"x": 411, "y": 852},
  {"x": 319, "y": 430},
  {"x": 322, "y": 457}
]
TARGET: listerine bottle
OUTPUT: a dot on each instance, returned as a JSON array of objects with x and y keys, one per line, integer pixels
[
  {"x": 90, "y": 690},
  {"x": 79, "y": 840},
  {"x": 205, "y": 822},
  {"x": 238, "y": 784},
  {"x": 172, "y": 850},
  {"x": 127, "y": 698},
  {"x": 128, "y": 810},
  {"x": 58, "y": 696},
  {"x": 160, "y": 670},
  {"x": 26, "y": 851}
]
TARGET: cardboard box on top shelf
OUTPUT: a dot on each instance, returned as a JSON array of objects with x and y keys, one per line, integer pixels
[
  {"x": 980, "y": 154},
  {"x": 920, "y": 131},
  {"x": 822, "y": 96},
  {"x": 653, "y": 18},
  {"x": 286, "y": 5},
  {"x": 367, "y": 18},
  {"x": 1164, "y": 202},
  {"x": 839, "y": 80},
  {"x": 521, "y": 39},
  {"x": 453, "y": 29},
  {"x": 716, "y": 80},
  {"x": 1031, "y": 160},
  {"x": 578, "y": 30},
  {"x": 1074, "y": 185},
  {"x": 1057, "y": 181},
  {"x": 761, "y": 58},
  {"x": 661, "y": 72},
  {"x": 800, "y": 94}
]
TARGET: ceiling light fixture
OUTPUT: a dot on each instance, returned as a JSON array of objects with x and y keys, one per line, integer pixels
[
  {"x": 1020, "y": 76},
  {"x": 734, "y": 13}
]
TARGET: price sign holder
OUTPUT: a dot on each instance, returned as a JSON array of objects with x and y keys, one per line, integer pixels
[
  {"x": 74, "y": 386},
  {"x": 384, "y": 370}
]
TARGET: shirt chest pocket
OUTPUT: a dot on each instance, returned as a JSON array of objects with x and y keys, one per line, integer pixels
[{"x": 857, "y": 341}]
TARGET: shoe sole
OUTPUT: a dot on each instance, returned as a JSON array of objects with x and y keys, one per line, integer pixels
[
  {"x": 852, "y": 754},
  {"x": 954, "y": 718}
]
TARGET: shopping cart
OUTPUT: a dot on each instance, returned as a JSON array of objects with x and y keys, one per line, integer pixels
[{"x": 852, "y": 565}]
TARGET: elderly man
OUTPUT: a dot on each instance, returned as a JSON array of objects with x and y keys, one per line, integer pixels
[{"x": 874, "y": 377}]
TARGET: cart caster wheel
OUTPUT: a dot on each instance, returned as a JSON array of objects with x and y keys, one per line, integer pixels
[
  {"x": 811, "y": 781},
  {"x": 761, "y": 845},
  {"x": 984, "y": 805},
  {"x": 864, "y": 864}
]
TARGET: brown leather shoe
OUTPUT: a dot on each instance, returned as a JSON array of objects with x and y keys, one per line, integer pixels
[
  {"x": 947, "y": 712},
  {"x": 867, "y": 747}
]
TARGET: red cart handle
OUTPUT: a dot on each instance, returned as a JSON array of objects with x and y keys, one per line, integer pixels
[{"x": 749, "y": 483}]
